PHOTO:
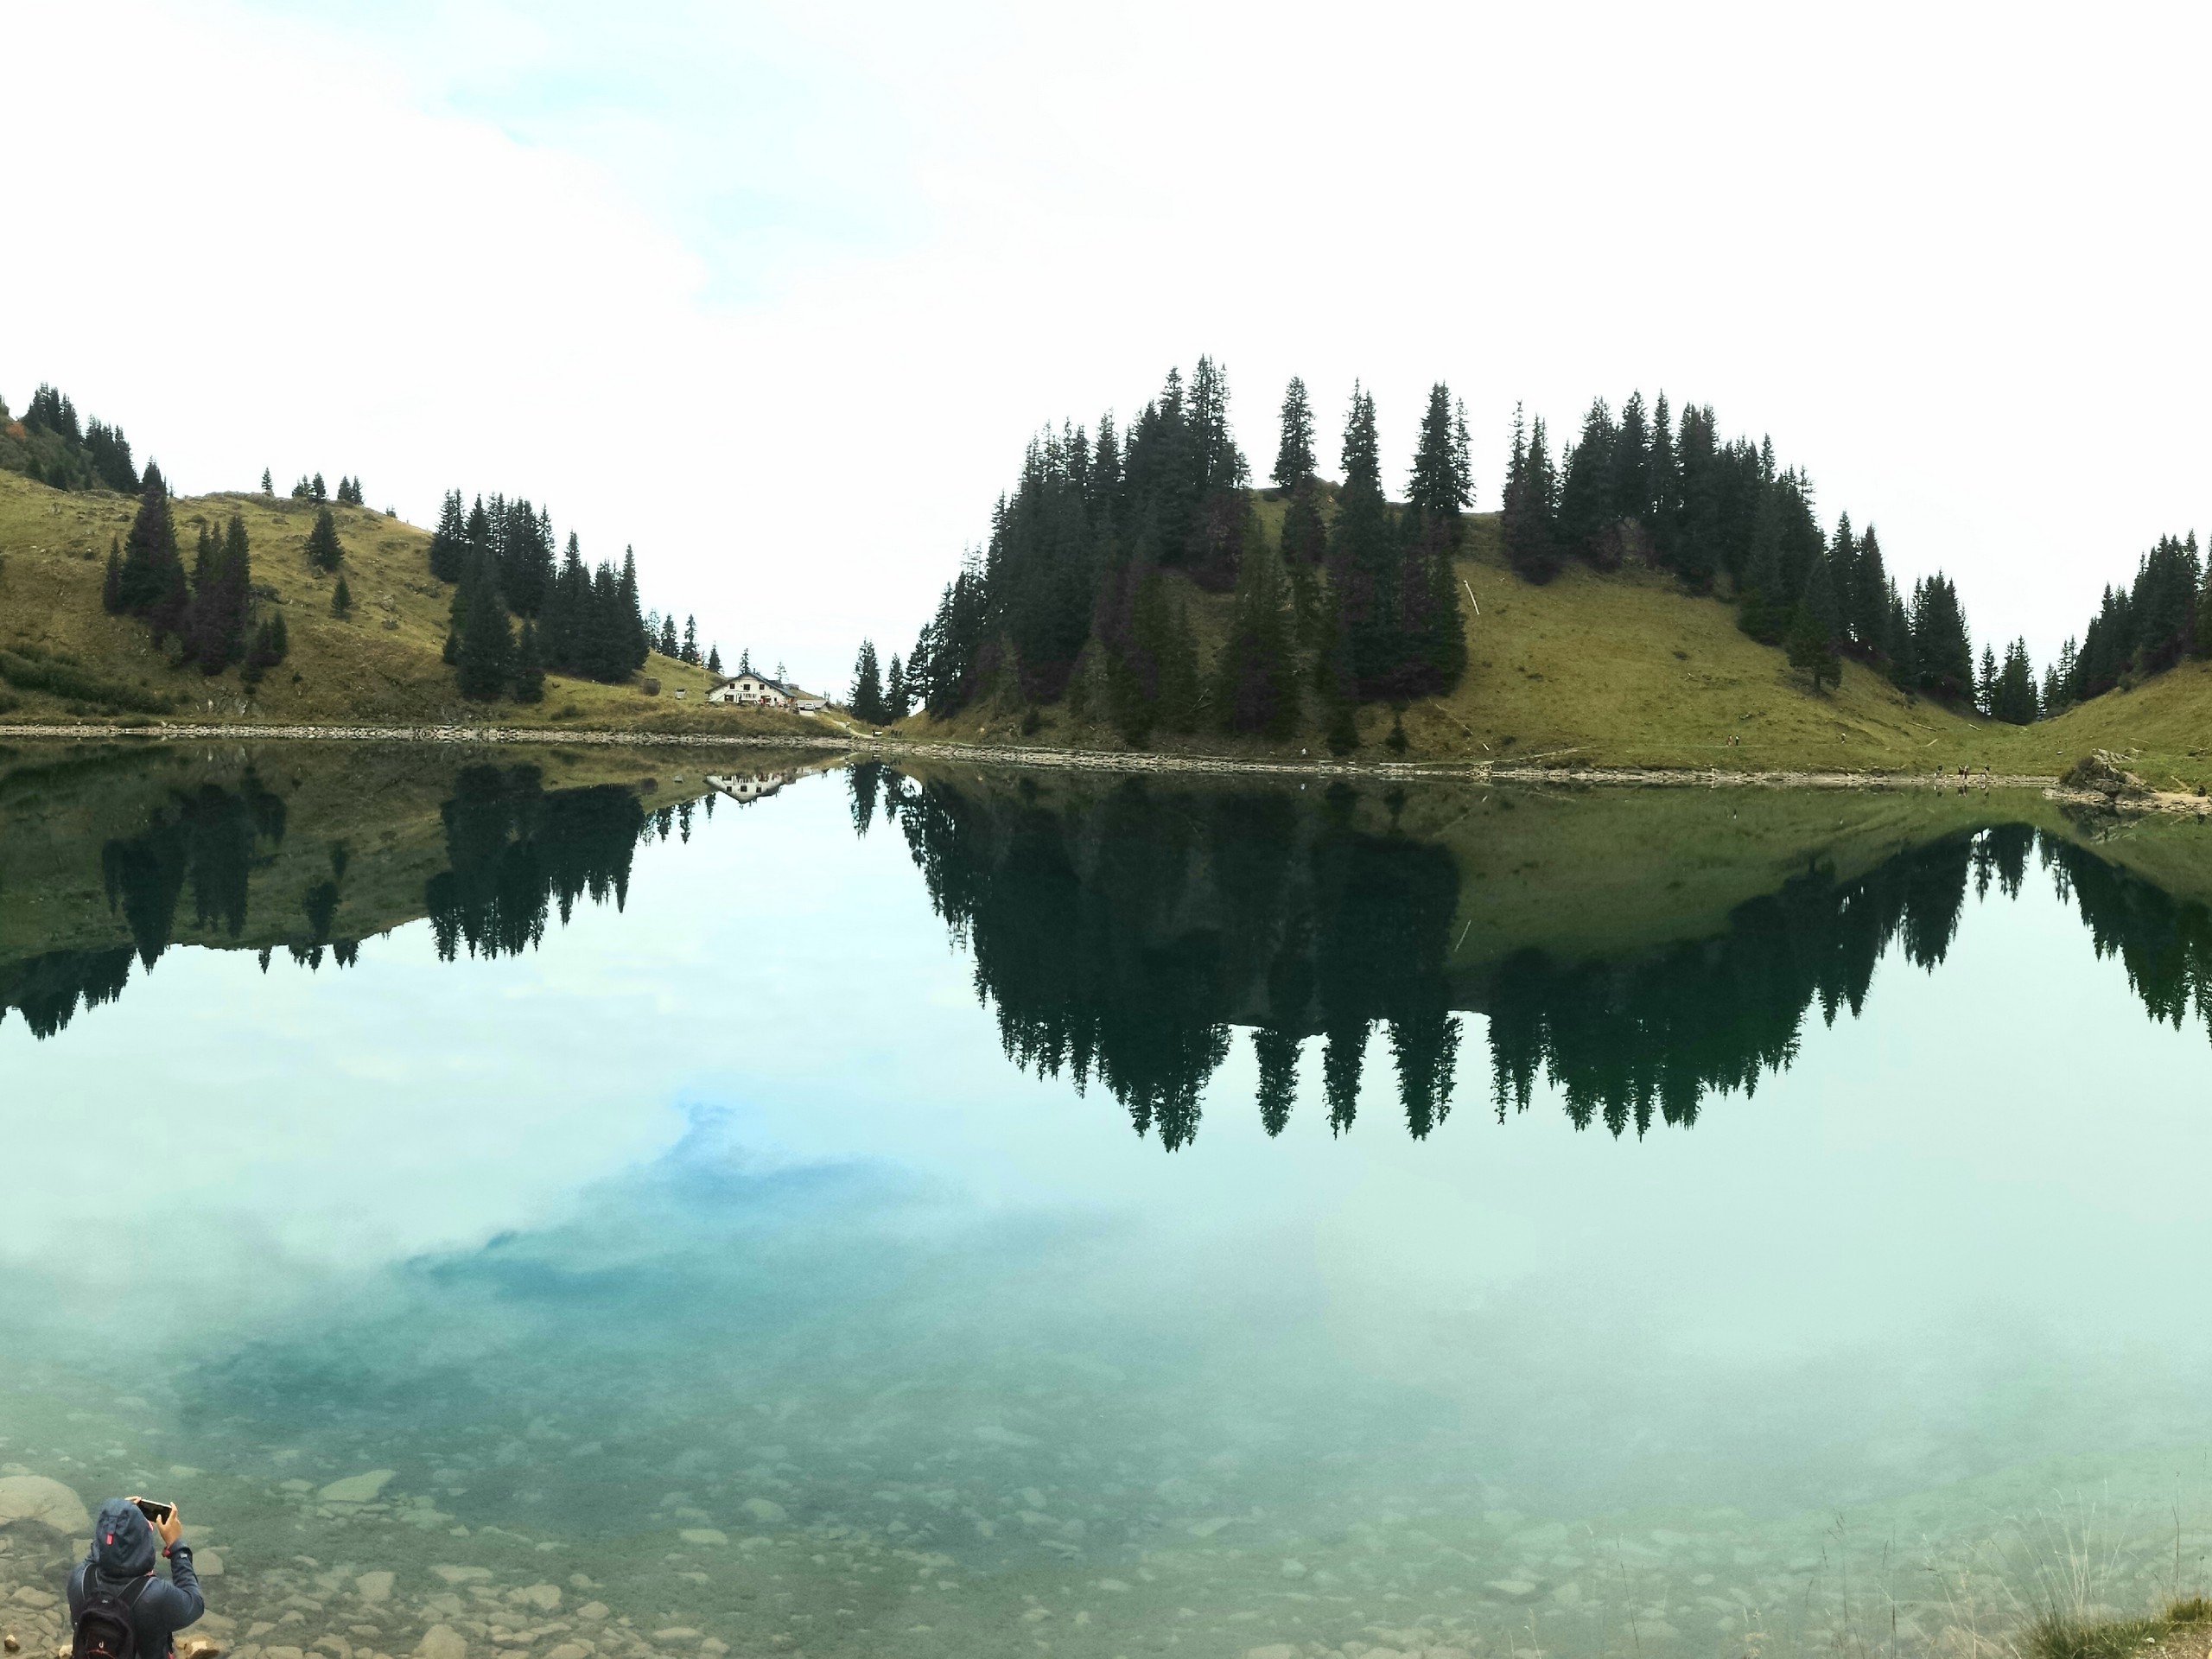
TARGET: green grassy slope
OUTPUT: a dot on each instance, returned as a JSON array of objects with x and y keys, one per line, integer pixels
[
  {"x": 381, "y": 666},
  {"x": 1601, "y": 670}
]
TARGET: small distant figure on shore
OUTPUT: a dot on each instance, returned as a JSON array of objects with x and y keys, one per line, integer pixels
[{"x": 117, "y": 1608}]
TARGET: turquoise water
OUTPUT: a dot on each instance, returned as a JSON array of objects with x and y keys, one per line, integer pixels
[{"x": 744, "y": 1264}]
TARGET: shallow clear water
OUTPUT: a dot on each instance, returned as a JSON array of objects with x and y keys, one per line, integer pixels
[{"x": 743, "y": 1262}]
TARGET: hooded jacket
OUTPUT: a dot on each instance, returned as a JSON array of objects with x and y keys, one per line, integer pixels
[{"x": 125, "y": 1550}]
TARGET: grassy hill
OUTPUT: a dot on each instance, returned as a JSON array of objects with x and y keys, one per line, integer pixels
[
  {"x": 1601, "y": 670},
  {"x": 1617, "y": 670},
  {"x": 380, "y": 665}
]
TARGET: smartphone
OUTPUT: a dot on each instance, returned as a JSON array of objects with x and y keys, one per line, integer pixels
[{"x": 153, "y": 1511}]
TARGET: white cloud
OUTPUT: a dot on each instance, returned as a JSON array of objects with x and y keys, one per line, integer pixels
[{"x": 777, "y": 292}]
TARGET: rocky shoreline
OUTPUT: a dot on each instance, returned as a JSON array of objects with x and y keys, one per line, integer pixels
[{"x": 1532, "y": 770}]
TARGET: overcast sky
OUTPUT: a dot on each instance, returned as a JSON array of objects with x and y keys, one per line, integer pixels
[{"x": 777, "y": 292}]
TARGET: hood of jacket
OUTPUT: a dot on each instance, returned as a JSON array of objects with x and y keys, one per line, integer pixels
[{"x": 123, "y": 1544}]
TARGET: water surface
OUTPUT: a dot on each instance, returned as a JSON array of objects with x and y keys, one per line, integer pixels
[{"x": 853, "y": 1211}]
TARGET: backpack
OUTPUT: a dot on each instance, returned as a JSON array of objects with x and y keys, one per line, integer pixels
[{"x": 103, "y": 1627}]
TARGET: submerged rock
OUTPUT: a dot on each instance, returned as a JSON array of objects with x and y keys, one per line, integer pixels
[
  {"x": 442, "y": 1641},
  {"x": 357, "y": 1488},
  {"x": 47, "y": 1503}
]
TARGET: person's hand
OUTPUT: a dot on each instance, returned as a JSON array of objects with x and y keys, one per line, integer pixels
[{"x": 172, "y": 1529}]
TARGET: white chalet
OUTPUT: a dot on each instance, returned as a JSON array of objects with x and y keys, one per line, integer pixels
[{"x": 756, "y": 689}]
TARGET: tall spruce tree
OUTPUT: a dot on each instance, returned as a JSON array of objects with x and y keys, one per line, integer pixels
[
  {"x": 1363, "y": 556},
  {"x": 486, "y": 655},
  {"x": 1256, "y": 674},
  {"x": 1294, "y": 463},
  {"x": 449, "y": 541},
  {"x": 897, "y": 699},
  {"x": 867, "y": 698},
  {"x": 324, "y": 552}
]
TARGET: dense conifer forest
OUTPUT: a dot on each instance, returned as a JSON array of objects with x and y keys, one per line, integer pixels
[
  {"x": 1087, "y": 590},
  {"x": 1082, "y": 592}
]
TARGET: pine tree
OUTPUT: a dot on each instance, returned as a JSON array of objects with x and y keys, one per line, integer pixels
[
  {"x": 1870, "y": 595},
  {"x": 530, "y": 666},
  {"x": 1362, "y": 556},
  {"x": 486, "y": 657},
  {"x": 268, "y": 484},
  {"x": 692, "y": 641},
  {"x": 669, "y": 646},
  {"x": 2013, "y": 698},
  {"x": 449, "y": 541},
  {"x": 1809, "y": 647},
  {"x": 1294, "y": 450},
  {"x": 1277, "y": 1052},
  {"x": 341, "y": 601},
  {"x": 867, "y": 698},
  {"x": 714, "y": 661},
  {"x": 1984, "y": 686},
  {"x": 1443, "y": 483},
  {"x": 630, "y": 622},
  {"x": 1898, "y": 644},
  {"x": 150, "y": 551},
  {"x": 324, "y": 552},
  {"x": 315, "y": 489},
  {"x": 898, "y": 700},
  {"x": 1526, "y": 521},
  {"x": 1255, "y": 675},
  {"x": 216, "y": 629}
]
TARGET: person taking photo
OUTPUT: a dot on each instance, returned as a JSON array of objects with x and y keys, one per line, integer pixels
[{"x": 117, "y": 1608}]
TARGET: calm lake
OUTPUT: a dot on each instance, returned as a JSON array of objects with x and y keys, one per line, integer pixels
[{"x": 604, "y": 1203}]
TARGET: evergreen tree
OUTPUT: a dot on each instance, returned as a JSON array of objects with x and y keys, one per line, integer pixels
[
  {"x": 898, "y": 700},
  {"x": 1277, "y": 1052},
  {"x": 268, "y": 484},
  {"x": 215, "y": 632},
  {"x": 1664, "y": 478},
  {"x": 669, "y": 646},
  {"x": 1821, "y": 603},
  {"x": 629, "y": 623},
  {"x": 449, "y": 541},
  {"x": 714, "y": 661},
  {"x": 1443, "y": 482},
  {"x": 1525, "y": 522},
  {"x": 1294, "y": 450},
  {"x": 530, "y": 666},
  {"x": 1985, "y": 686},
  {"x": 1898, "y": 644},
  {"x": 149, "y": 551},
  {"x": 1810, "y": 647},
  {"x": 1869, "y": 596},
  {"x": 1941, "y": 648},
  {"x": 867, "y": 698},
  {"x": 1364, "y": 557},
  {"x": 487, "y": 655},
  {"x": 112, "y": 586},
  {"x": 324, "y": 552},
  {"x": 692, "y": 641},
  {"x": 1586, "y": 522},
  {"x": 315, "y": 489},
  {"x": 1255, "y": 675},
  {"x": 341, "y": 601},
  {"x": 2013, "y": 698}
]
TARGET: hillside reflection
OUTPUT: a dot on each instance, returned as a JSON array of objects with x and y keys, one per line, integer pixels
[
  {"x": 307, "y": 853},
  {"x": 1120, "y": 932}
]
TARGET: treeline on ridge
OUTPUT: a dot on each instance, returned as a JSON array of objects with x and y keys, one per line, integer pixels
[
  {"x": 1724, "y": 517},
  {"x": 579, "y": 621},
  {"x": 1077, "y": 594},
  {"x": 51, "y": 446}
]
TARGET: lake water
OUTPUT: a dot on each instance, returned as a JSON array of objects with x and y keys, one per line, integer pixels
[{"x": 557, "y": 1203}]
